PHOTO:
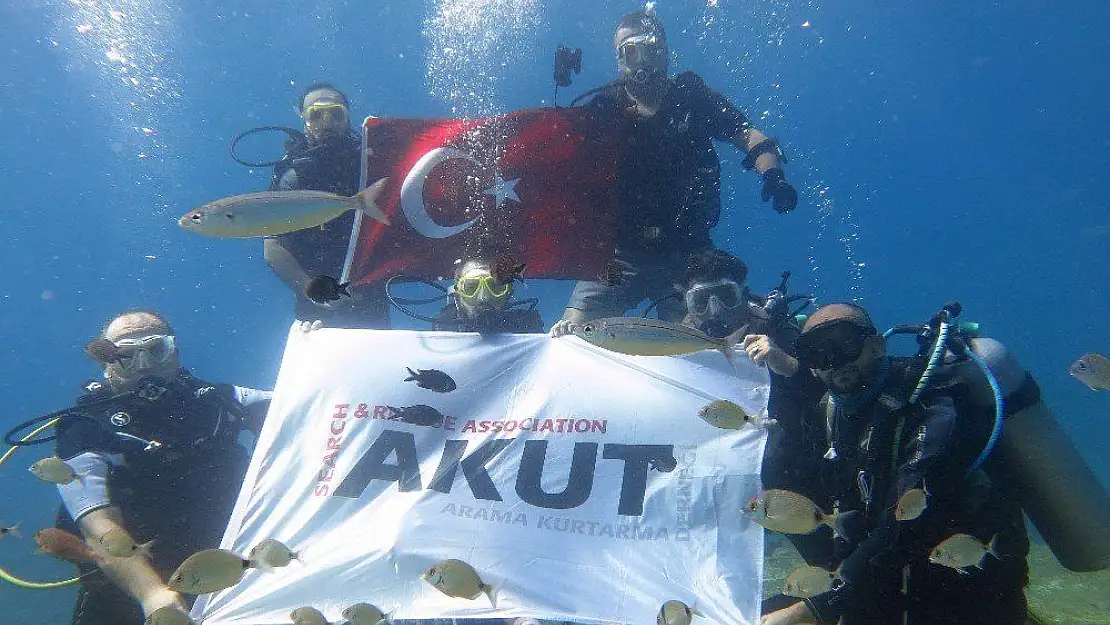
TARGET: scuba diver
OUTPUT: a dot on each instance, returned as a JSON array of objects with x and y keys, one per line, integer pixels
[
  {"x": 159, "y": 454},
  {"x": 882, "y": 431},
  {"x": 670, "y": 182},
  {"x": 480, "y": 300},
  {"x": 327, "y": 156}
]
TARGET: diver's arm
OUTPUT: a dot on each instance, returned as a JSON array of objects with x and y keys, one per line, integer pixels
[
  {"x": 135, "y": 575},
  {"x": 284, "y": 265},
  {"x": 748, "y": 139}
]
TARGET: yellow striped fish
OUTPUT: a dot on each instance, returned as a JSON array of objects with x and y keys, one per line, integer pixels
[
  {"x": 637, "y": 336},
  {"x": 277, "y": 212}
]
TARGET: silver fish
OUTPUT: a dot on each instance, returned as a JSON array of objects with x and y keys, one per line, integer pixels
[
  {"x": 119, "y": 544},
  {"x": 271, "y": 554},
  {"x": 637, "y": 336},
  {"x": 307, "y": 616},
  {"x": 56, "y": 471},
  {"x": 963, "y": 551},
  {"x": 277, "y": 212},
  {"x": 675, "y": 613},
  {"x": 809, "y": 581},
  {"x": 210, "y": 570},
  {"x": 364, "y": 614},
  {"x": 1092, "y": 369},
  {"x": 168, "y": 615},
  {"x": 911, "y": 504},
  {"x": 456, "y": 578},
  {"x": 787, "y": 512}
]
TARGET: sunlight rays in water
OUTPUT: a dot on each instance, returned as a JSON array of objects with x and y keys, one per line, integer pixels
[{"x": 470, "y": 45}]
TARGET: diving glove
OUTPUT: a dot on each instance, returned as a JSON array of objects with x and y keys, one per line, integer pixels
[{"x": 775, "y": 186}]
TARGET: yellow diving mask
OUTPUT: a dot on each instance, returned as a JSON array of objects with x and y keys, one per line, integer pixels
[
  {"x": 326, "y": 112},
  {"x": 469, "y": 286}
]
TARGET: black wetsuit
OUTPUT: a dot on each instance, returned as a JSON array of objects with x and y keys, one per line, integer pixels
[
  {"x": 510, "y": 320},
  {"x": 883, "y": 447},
  {"x": 335, "y": 167},
  {"x": 179, "y": 494},
  {"x": 670, "y": 191}
]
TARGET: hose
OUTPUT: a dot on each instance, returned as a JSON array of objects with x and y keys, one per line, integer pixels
[
  {"x": 934, "y": 360},
  {"x": 6, "y": 576},
  {"x": 999, "y": 408}
]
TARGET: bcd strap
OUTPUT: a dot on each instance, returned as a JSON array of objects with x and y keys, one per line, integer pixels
[{"x": 767, "y": 146}]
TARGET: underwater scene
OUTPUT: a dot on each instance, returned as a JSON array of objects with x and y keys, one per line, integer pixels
[{"x": 525, "y": 312}]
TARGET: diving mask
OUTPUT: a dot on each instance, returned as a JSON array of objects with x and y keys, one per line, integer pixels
[
  {"x": 640, "y": 52},
  {"x": 713, "y": 298},
  {"x": 469, "y": 287},
  {"x": 145, "y": 352},
  {"x": 326, "y": 113},
  {"x": 831, "y": 346}
]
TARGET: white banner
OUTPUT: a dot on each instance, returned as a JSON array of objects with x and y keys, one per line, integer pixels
[{"x": 581, "y": 484}]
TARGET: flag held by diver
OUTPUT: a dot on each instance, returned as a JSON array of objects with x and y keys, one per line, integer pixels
[
  {"x": 538, "y": 184},
  {"x": 579, "y": 484}
]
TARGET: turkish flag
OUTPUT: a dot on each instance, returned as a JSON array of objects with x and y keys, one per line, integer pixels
[{"x": 538, "y": 184}]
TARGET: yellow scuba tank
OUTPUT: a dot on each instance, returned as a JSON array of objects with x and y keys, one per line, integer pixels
[{"x": 1035, "y": 458}]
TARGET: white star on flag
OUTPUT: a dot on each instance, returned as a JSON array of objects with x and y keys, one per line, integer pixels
[{"x": 503, "y": 189}]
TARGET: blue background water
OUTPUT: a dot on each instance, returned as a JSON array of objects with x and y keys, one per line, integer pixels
[{"x": 951, "y": 150}]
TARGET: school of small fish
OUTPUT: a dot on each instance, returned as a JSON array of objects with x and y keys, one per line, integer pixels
[{"x": 787, "y": 512}]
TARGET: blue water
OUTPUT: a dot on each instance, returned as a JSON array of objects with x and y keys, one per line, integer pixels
[{"x": 954, "y": 150}]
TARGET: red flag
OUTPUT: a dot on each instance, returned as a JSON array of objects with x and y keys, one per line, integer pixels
[{"x": 538, "y": 184}]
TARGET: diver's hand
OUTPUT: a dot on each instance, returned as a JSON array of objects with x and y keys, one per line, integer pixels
[
  {"x": 161, "y": 598},
  {"x": 776, "y": 186},
  {"x": 763, "y": 351},
  {"x": 797, "y": 614},
  {"x": 563, "y": 327}
]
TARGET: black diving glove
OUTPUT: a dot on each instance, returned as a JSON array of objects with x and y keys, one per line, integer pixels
[{"x": 776, "y": 186}]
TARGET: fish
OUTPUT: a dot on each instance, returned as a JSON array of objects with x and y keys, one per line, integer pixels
[
  {"x": 364, "y": 614},
  {"x": 56, "y": 471},
  {"x": 324, "y": 289},
  {"x": 64, "y": 546},
  {"x": 911, "y": 504},
  {"x": 103, "y": 351},
  {"x": 675, "y": 613},
  {"x": 787, "y": 512},
  {"x": 271, "y": 554},
  {"x": 505, "y": 269},
  {"x": 637, "y": 336},
  {"x": 431, "y": 379},
  {"x": 458, "y": 579},
  {"x": 209, "y": 570},
  {"x": 271, "y": 213},
  {"x": 307, "y": 616},
  {"x": 963, "y": 551},
  {"x": 727, "y": 415},
  {"x": 809, "y": 581},
  {"x": 168, "y": 615},
  {"x": 663, "y": 465},
  {"x": 10, "y": 531},
  {"x": 419, "y": 415},
  {"x": 611, "y": 274},
  {"x": 1092, "y": 369},
  {"x": 119, "y": 544}
]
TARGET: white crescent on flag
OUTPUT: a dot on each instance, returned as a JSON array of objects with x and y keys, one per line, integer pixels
[{"x": 412, "y": 194}]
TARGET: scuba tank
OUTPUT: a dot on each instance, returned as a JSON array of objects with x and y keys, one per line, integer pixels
[{"x": 1032, "y": 455}]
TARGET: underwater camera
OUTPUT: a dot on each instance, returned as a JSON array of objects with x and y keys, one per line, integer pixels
[{"x": 566, "y": 61}]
